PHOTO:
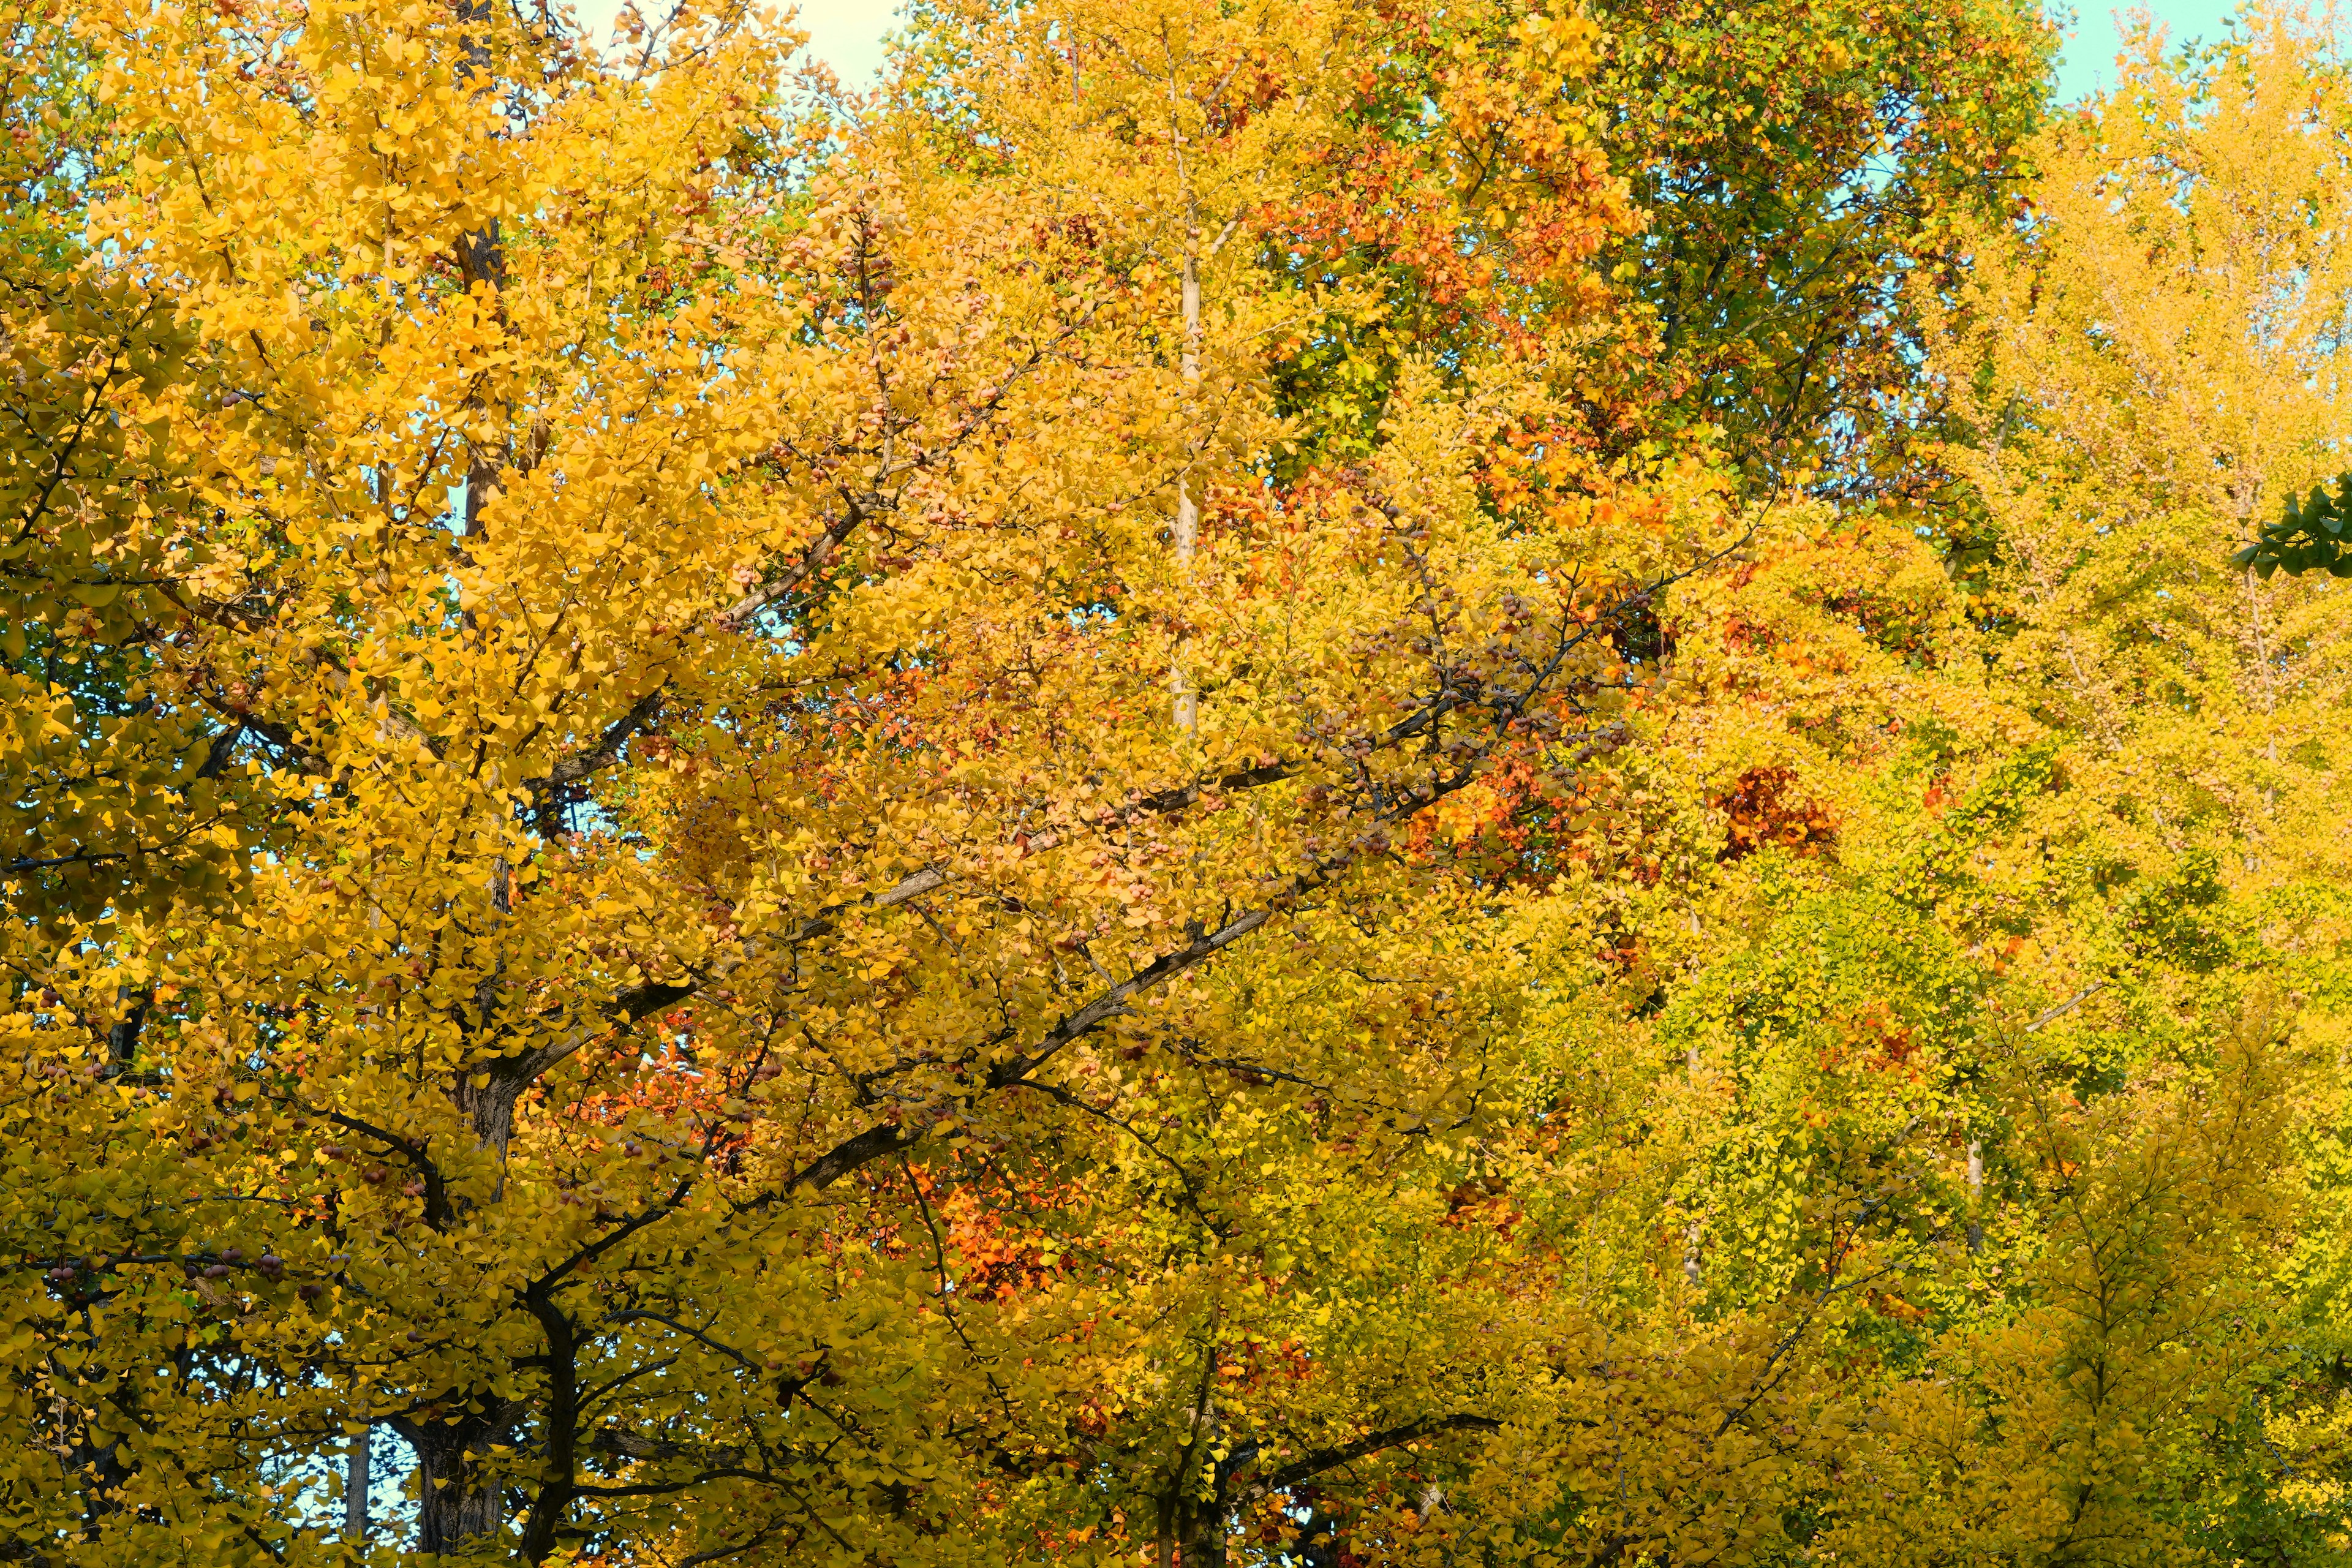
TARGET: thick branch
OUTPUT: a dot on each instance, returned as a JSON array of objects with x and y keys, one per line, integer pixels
[
  {"x": 874, "y": 1143},
  {"x": 642, "y": 1000},
  {"x": 854, "y": 509},
  {"x": 547, "y": 794},
  {"x": 437, "y": 1211},
  {"x": 1110, "y": 1004},
  {"x": 1162, "y": 802},
  {"x": 1312, "y": 1465}
]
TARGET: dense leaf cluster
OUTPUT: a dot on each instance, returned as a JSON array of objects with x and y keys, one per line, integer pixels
[
  {"x": 1245, "y": 782},
  {"x": 2307, "y": 537}
]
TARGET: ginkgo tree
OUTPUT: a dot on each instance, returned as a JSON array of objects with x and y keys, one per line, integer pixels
[
  {"x": 624, "y": 779},
  {"x": 1988, "y": 887}
]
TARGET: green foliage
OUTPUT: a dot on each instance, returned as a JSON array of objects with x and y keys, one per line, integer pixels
[
  {"x": 1805, "y": 166},
  {"x": 2307, "y": 537}
]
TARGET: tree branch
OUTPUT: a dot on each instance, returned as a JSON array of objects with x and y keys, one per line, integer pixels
[
  {"x": 1322, "y": 1460},
  {"x": 437, "y": 1211}
]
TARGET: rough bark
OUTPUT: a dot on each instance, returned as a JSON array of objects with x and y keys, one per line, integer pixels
[{"x": 455, "y": 1502}]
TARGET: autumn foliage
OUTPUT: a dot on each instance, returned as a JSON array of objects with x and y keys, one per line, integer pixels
[{"x": 1338, "y": 783}]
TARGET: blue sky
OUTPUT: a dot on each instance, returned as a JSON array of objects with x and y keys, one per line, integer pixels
[
  {"x": 2090, "y": 59},
  {"x": 848, "y": 32}
]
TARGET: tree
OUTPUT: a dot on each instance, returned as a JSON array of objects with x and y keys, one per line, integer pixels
[
  {"x": 672, "y": 617},
  {"x": 1808, "y": 173},
  {"x": 2147, "y": 368},
  {"x": 2307, "y": 536}
]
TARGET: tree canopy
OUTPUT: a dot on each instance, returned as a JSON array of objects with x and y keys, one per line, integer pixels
[{"x": 1348, "y": 782}]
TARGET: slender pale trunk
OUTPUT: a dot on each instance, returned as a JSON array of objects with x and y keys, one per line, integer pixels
[
  {"x": 355, "y": 1487},
  {"x": 1691, "y": 1236},
  {"x": 1188, "y": 516},
  {"x": 1976, "y": 1194}
]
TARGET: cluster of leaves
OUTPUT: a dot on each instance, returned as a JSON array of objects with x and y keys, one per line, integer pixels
[
  {"x": 1107, "y": 810},
  {"x": 2307, "y": 537}
]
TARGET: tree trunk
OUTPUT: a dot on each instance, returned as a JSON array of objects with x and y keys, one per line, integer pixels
[
  {"x": 122, "y": 1040},
  {"x": 455, "y": 1502},
  {"x": 490, "y": 1107},
  {"x": 355, "y": 1488},
  {"x": 1204, "y": 1535},
  {"x": 1692, "y": 1236},
  {"x": 1976, "y": 1194},
  {"x": 559, "y": 1479},
  {"x": 1188, "y": 516}
]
